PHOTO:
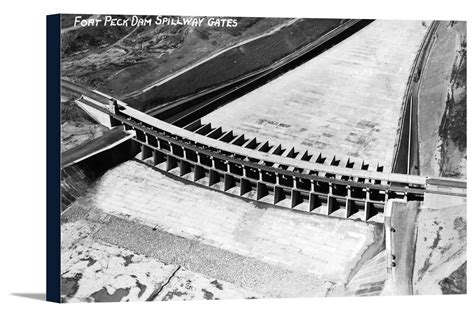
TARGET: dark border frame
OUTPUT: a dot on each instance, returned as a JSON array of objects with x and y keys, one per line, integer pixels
[{"x": 53, "y": 158}]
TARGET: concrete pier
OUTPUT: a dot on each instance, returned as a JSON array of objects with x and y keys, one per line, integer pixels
[{"x": 282, "y": 176}]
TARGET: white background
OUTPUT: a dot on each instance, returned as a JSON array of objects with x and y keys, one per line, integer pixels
[{"x": 23, "y": 155}]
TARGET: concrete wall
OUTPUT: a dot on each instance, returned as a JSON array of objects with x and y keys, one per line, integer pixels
[
  {"x": 400, "y": 241},
  {"x": 99, "y": 116},
  {"x": 74, "y": 182},
  {"x": 406, "y": 156},
  {"x": 77, "y": 178}
]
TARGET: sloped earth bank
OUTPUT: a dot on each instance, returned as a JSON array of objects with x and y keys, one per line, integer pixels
[
  {"x": 95, "y": 271},
  {"x": 236, "y": 62},
  {"x": 440, "y": 256},
  {"x": 123, "y": 60},
  {"x": 442, "y": 104},
  {"x": 75, "y": 133},
  {"x": 456, "y": 282},
  {"x": 120, "y": 60},
  {"x": 77, "y": 127},
  {"x": 453, "y": 127}
]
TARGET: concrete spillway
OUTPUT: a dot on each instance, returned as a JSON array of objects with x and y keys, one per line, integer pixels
[
  {"x": 294, "y": 241},
  {"x": 345, "y": 102}
]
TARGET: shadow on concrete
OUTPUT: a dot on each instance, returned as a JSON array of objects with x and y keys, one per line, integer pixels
[{"x": 33, "y": 296}]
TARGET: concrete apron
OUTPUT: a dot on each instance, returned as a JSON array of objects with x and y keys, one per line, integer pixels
[{"x": 329, "y": 249}]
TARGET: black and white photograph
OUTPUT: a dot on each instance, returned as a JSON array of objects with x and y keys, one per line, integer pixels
[
  {"x": 220, "y": 157},
  {"x": 235, "y": 158}
]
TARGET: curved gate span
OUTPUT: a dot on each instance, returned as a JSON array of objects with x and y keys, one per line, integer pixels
[{"x": 258, "y": 171}]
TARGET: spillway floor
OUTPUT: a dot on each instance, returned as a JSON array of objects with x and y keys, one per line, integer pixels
[{"x": 345, "y": 102}]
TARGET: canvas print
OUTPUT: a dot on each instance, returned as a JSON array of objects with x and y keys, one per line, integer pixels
[{"x": 250, "y": 157}]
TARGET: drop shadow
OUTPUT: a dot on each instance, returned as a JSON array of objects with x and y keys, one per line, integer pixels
[{"x": 33, "y": 296}]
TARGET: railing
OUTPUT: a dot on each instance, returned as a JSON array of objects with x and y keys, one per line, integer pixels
[{"x": 203, "y": 143}]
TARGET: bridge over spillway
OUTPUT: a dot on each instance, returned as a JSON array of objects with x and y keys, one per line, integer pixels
[{"x": 254, "y": 170}]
